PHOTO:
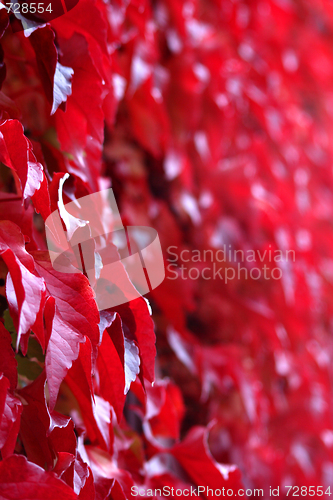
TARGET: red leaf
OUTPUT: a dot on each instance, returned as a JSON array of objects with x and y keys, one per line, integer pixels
[
  {"x": 165, "y": 409},
  {"x": 96, "y": 414},
  {"x": 117, "y": 493},
  {"x": 88, "y": 490},
  {"x": 44, "y": 434},
  {"x": 64, "y": 462},
  {"x": 103, "y": 487},
  {"x": 10, "y": 419},
  {"x": 41, "y": 199},
  {"x": 22, "y": 480},
  {"x": 8, "y": 363},
  {"x": 24, "y": 290},
  {"x": 56, "y": 78},
  {"x": 81, "y": 128},
  {"x": 138, "y": 325},
  {"x": 75, "y": 317},
  {"x": 105, "y": 470},
  {"x": 25, "y": 295},
  {"x": 83, "y": 480},
  {"x": 111, "y": 375},
  {"x": 16, "y": 153},
  {"x": 76, "y": 474},
  {"x": 85, "y": 19},
  {"x": 118, "y": 365},
  {"x": 194, "y": 455}
]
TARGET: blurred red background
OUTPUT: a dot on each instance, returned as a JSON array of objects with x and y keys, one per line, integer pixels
[{"x": 212, "y": 122}]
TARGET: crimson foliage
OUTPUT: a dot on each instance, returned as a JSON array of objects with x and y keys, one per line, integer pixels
[{"x": 212, "y": 121}]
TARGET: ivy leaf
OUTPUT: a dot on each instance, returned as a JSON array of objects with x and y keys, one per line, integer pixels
[
  {"x": 8, "y": 364},
  {"x": 71, "y": 315},
  {"x": 56, "y": 78},
  {"x": 11, "y": 409},
  {"x": 23, "y": 480},
  {"x": 138, "y": 326},
  {"x": 16, "y": 153},
  {"x": 24, "y": 290},
  {"x": 194, "y": 455},
  {"x": 118, "y": 364}
]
